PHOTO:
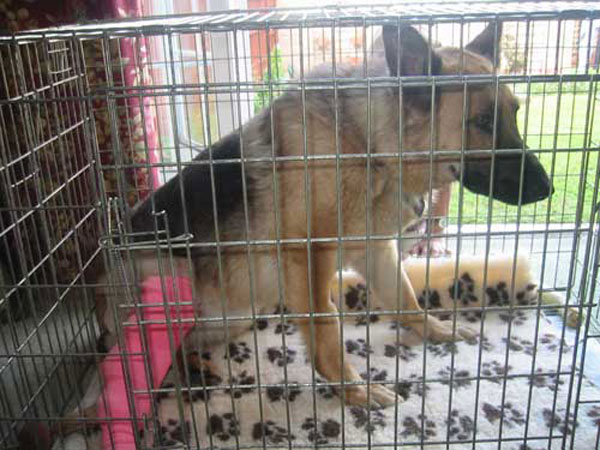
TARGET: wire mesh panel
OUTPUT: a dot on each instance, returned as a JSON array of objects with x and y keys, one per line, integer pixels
[
  {"x": 49, "y": 228},
  {"x": 212, "y": 215}
]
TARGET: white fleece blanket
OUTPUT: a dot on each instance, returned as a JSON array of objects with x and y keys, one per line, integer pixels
[{"x": 513, "y": 383}]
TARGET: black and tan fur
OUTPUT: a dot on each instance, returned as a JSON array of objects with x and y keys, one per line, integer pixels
[{"x": 300, "y": 124}]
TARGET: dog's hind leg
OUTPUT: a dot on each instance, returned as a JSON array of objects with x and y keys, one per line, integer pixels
[{"x": 322, "y": 334}]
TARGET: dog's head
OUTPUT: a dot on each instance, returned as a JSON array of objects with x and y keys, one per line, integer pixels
[{"x": 478, "y": 116}]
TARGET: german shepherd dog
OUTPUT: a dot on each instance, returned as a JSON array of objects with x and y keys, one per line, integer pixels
[
  {"x": 295, "y": 201},
  {"x": 320, "y": 139}
]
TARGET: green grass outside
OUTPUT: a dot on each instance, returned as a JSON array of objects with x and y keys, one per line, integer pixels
[{"x": 542, "y": 133}]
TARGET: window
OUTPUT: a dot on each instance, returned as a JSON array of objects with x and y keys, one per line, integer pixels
[{"x": 191, "y": 119}]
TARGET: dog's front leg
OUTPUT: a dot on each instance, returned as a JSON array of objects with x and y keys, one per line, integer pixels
[
  {"x": 385, "y": 274},
  {"x": 322, "y": 334}
]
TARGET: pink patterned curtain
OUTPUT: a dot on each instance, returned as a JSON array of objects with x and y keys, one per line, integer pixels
[{"x": 136, "y": 116}]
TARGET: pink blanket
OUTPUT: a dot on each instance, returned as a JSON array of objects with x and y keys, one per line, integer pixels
[{"x": 163, "y": 339}]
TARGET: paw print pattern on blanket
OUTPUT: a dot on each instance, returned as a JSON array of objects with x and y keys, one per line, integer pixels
[
  {"x": 200, "y": 375},
  {"x": 472, "y": 281},
  {"x": 321, "y": 432},
  {"x": 362, "y": 319},
  {"x": 498, "y": 295},
  {"x": 375, "y": 374},
  {"x": 271, "y": 433},
  {"x": 557, "y": 421},
  {"x": 363, "y": 421},
  {"x": 411, "y": 427},
  {"x": 482, "y": 341},
  {"x": 356, "y": 299},
  {"x": 594, "y": 414},
  {"x": 528, "y": 447},
  {"x": 288, "y": 328},
  {"x": 443, "y": 349},
  {"x": 358, "y": 347},
  {"x": 280, "y": 357},
  {"x": 429, "y": 299},
  {"x": 528, "y": 296},
  {"x": 278, "y": 393},
  {"x": 547, "y": 341},
  {"x": 403, "y": 352},
  {"x": 403, "y": 389},
  {"x": 223, "y": 427},
  {"x": 518, "y": 344},
  {"x": 516, "y": 317},
  {"x": 460, "y": 377},
  {"x": 549, "y": 381},
  {"x": 389, "y": 343},
  {"x": 413, "y": 385},
  {"x": 494, "y": 371},
  {"x": 472, "y": 316},
  {"x": 462, "y": 290},
  {"x": 327, "y": 392},
  {"x": 511, "y": 415},
  {"x": 461, "y": 426},
  {"x": 241, "y": 384},
  {"x": 259, "y": 325},
  {"x": 239, "y": 352},
  {"x": 174, "y": 432},
  {"x": 552, "y": 343}
]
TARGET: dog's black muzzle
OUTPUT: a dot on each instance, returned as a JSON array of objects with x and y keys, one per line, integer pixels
[{"x": 507, "y": 176}]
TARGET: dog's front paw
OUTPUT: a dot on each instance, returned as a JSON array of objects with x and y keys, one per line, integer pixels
[
  {"x": 439, "y": 331},
  {"x": 378, "y": 397},
  {"x": 467, "y": 333}
]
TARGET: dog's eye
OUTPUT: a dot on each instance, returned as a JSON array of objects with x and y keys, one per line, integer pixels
[{"x": 484, "y": 122}]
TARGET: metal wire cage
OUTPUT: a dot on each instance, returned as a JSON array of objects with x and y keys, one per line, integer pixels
[{"x": 96, "y": 117}]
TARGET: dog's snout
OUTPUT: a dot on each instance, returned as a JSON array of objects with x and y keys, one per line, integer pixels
[
  {"x": 547, "y": 190},
  {"x": 513, "y": 183},
  {"x": 542, "y": 196},
  {"x": 537, "y": 185},
  {"x": 533, "y": 192}
]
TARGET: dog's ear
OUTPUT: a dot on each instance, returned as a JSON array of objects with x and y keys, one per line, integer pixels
[
  {"x": 408, "y": 54},
  {"x": 487, "y": 43}
]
